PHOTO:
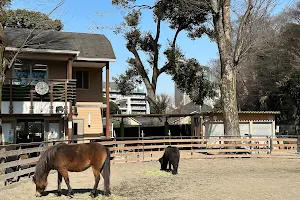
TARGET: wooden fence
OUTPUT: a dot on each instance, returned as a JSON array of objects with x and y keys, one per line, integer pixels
[{"x": 17, "y": 161}]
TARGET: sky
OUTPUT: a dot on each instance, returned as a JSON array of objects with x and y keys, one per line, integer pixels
[{"x": 84, "y": 17}]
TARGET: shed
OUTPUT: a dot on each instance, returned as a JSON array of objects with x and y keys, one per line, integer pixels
[{"x": 252, "y": 123}]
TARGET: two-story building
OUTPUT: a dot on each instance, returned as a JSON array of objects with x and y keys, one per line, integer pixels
[{"x": 54, "y": 88}]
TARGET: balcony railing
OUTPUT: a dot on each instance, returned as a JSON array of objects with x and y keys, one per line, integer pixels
[{"x": 23, "y": 89}]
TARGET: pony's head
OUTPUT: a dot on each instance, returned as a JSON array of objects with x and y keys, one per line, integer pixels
[
  {"x": 160, "y": 160},
  {"x": 40, "y": 185},
  {"x": 42, "y": 169},
  {"x": 163, "y": 165}
]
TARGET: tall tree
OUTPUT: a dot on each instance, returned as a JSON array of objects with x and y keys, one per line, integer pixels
[
  {"x": 180, "y": 17},
  {"x": 233, "y": 46},
  {"x": 113, "y": 108},
  {"x": 22, "y": 18}
]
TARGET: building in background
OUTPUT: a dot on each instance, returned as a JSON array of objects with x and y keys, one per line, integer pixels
[
  {"x": 181, "y": 98},
  {"x": 135, "y": 103}
]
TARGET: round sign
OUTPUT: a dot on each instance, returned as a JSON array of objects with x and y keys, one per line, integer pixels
[{"x": 41, "y": 88}]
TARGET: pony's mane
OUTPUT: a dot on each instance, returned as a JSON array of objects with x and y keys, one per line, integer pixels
[{"x": 43, "y": 163}]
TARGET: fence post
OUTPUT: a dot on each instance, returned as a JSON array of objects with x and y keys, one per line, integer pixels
[
  {"x": 271, "y": 144},
  {"x": 166, "y": 129},
  {"x": 122, "y": 128},
  {"x": 298, "y": 145}
]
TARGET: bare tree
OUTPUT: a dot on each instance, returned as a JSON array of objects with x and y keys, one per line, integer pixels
[{"x": 233, "y": 46}]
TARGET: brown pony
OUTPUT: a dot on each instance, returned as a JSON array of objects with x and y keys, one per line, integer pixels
[{"x": 73, "y": 158}]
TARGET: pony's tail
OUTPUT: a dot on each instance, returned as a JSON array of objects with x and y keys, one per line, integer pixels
[{"x": 106, "y": 173}]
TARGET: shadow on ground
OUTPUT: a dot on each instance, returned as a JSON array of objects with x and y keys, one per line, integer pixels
[{"x": 76, "y": 191}]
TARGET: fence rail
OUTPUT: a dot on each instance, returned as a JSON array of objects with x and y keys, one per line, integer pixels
[{"x": 19, "y": 159}]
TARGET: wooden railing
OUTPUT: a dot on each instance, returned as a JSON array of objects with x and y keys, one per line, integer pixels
[
  {"x": 21, "y": 158},
  {"x": 23, "y": 89}
]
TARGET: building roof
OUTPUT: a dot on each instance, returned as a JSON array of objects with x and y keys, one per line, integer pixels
[
  {"x": 191, "y": 108},
  {"x": 246, "y": 112},
  {"x": 152, "y": 115},
  {"x": 89, "y": 45}
]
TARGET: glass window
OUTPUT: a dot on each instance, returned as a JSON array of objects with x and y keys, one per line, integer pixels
[
  {"x": 39, "y": 71},
  {"x": 21, "y": 71},
  {"x": 83, "y": 79},
  {"x": 26, "y": 70}
]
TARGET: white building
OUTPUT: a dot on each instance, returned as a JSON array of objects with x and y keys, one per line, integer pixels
[{"x": 135, "y": 103}]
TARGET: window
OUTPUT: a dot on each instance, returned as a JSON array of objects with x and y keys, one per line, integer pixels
[
  {"x": 83, "y": 79},
  {"x": 27, "y": 70}
]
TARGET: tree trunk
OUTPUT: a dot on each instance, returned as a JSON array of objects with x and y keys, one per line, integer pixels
[
  {"x": 2, "y": 69},
  {"x": 228, "y": 93},
  {"x": 151, "y": 98},
  {"x": 223, "y": 30}
]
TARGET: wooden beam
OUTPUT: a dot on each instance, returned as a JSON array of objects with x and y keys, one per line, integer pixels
[
  {"x": 70, "y": 122},
  {"x": 70, "y": 68},
  {"x": 107, "y": 102},
  {"x": 51, "y": 97},
  {"x": 11, "y": 97},
  {"x": 31, "y": 97}
]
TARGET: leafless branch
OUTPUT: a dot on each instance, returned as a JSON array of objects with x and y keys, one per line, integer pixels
[
  {"x": 30, "y": 34},
  {"x": 240, "y": 40}
]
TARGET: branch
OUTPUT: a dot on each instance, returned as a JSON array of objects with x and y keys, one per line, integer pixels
[
  {"x": 143, "y": 6},
  {"x": 155, "y": 73},
  {"x": 31, "y": 32},
  {"x": 240, "y": 40},
  {"x": 165, "y": 68},
  {"x": 214, "y": 6},
  {"x": 155, "y": 44},
  {"x": 140, "y": 67}
]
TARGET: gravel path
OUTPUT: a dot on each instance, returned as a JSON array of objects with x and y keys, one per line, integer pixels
[{"x": 252, "y": 178}]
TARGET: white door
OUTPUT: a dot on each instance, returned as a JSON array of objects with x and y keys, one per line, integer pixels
[
  {"x": 244, "y": 128},
  {"x": 262, "y": 129},
  {"x": 214, "y": 129}
]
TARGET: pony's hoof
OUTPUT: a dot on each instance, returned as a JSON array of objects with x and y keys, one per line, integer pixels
[
  {"x": 58, "y": 194},
  {"x": 93, "y": 195},
  {"x": 107, "y": 193},
  {"x": 71, "y": 194}
]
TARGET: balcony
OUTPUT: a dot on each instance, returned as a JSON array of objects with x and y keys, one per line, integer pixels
[{"x": 19, "y": 96}]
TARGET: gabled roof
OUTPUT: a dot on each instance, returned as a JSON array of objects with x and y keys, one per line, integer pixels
[
  {"x": 191, "y": 108},
  {"x": 89, "y": 45},
  {"x": 246, "y": 112}
]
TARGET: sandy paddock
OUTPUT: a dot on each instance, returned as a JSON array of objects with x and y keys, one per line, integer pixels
[{"x": 240, "y": 178}]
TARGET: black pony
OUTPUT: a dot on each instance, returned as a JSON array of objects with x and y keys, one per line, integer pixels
[{"x": 171, "y": 156}]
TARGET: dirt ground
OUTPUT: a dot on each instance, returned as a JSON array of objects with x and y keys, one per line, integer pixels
[{"x": 241, "y": 178}]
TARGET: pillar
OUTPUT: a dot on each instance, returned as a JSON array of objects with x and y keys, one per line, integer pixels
[
  {"x": 166, "y": 131},
  {"x": 107, "y": 102},
  {"x": 122, "y": 128},
  {"x": 70, "y": 116}
]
